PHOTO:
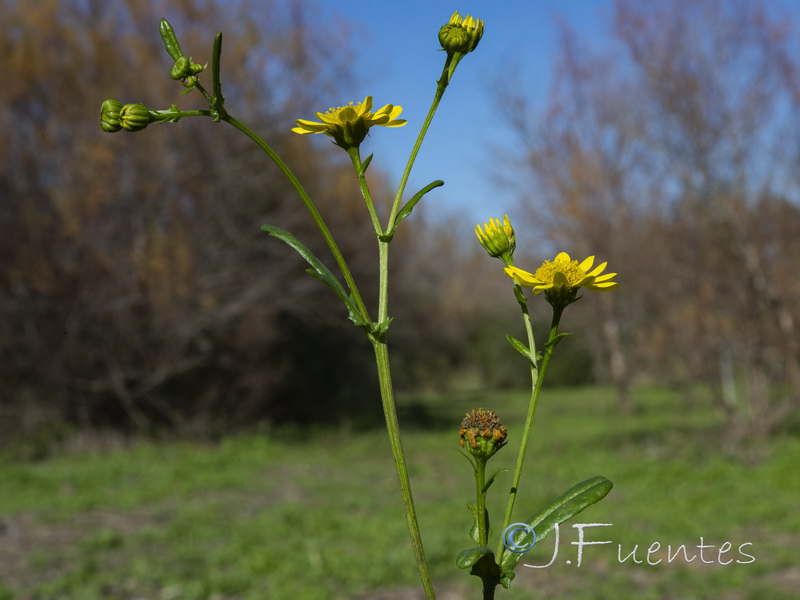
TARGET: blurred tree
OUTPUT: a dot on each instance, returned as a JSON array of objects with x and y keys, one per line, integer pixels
[
  {"x": 136, "y": 289},
  {"x": 673, "y": 156}
]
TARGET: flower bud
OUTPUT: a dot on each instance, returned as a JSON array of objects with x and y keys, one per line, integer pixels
[
  {"x": 135, "y": 117},
  {"x": 185, "y": 68},
  {"x": 461, "y": 35},
  {"x": 482, "y": 434},
  {"x": 180, "y": 69},
  {"x": 498, "y": 239},
  {"x": 109, "y": 115}
]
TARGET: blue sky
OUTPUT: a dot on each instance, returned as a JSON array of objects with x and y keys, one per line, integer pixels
[{"x": 399, "y": 64}]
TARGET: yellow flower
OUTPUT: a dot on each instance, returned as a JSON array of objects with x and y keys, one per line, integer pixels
[
  {"x": 498, "y": 239},
  {"x": 348, "y": 125},
  {"x": 561, "y": 278}
]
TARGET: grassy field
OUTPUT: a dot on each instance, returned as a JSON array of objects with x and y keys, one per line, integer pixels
[{"x": 297, "y": 515}]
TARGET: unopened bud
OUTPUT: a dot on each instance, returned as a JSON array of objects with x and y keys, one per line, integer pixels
[
  {"x": 461, "y": 35},
  {"x": 135, "y": 117},
  {"x": 498, "y": 239},
  {"x": 109, "y": 115}
]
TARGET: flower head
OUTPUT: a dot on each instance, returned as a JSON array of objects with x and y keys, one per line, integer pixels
[
  {"x": 461, "y": 35},
  {"x": 498, "y": 239},
  {"x": 349, "y": 125},
  {"x": 560, "y": 278},
  {"x": 482, "y": 432}
]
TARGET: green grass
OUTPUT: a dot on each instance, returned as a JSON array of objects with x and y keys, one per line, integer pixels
[{"x": 299, "y": 515}]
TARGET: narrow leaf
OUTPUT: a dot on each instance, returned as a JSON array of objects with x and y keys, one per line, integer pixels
[
  {"x": 468, "y": 558},
  {"x": 559, "y": 510},
  {"x": 550, "y": 345},
  {"x": 520, "y": 347},
  {"x": 318, "y": 270},
  {"x": 490, "y": 481},
  {"x": 218, "y": 100},
  {"x": 365, "y": 165},
  {"x": 409, "y": 206},
  {"x": 474, "y": 531}
]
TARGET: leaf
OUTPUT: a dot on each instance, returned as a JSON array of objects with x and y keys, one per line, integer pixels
[
  {"x": 365, "y": 165},
  {"x": 559, "y": 510},
  {"x": 551, "y": 344},
  {"x": 469, "y": 458},
  {"x": 490, "y": 481},
  {"x": 474, "y": 531},
  {"x": 470, "y": 557},
  {"x": 218, "y": 99},
  {"x": 318, "y": 270},
  {"x": 521, "y": 348},
  {"x": 408, "y": 207}
]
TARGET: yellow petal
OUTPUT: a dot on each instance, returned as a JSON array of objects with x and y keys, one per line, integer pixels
[
  {"x": 560, "y": 280},
  {"x": 605, "y": 277},
  {"x": 562, "y": 257},
  {"x": 302, "y": 131},
  {"x": 365, "y": 106},
  {"x": 587, "y": 264},
  {"x": 522, "y": 277},
  {"x": 312, "y": 126},
  {"x": 599, "y": 269}
]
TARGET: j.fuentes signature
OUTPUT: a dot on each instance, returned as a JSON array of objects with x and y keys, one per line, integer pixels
[{"x": 655, "y": 554}]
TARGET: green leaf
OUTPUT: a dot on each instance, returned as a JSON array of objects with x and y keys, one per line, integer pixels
[
  {"x": 490, "y": 481},
  {"x": 365, "y": 165},
  {"x": 469, "y": 458},
  {"x": 559, "y": 510},
  {"x": 318, "y": 270},
  {"x": 408, "y": 207},
  {"x": 521, "y": 348},
  {"x": 551, "y": 344},
  {"x": 218, "y": 99},
  {"x": 474, "y": 531},
  {"x": 470, "y": 557}
]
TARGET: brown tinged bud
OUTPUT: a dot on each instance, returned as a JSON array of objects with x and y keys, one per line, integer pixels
[{"x": 482, "y": 434}]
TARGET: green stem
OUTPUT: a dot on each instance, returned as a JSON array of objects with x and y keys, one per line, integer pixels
[
  {"x": 326, "y": 234},
  {"x": 537, "y": 378},
  {"x": 355, "y": 157},
  {"x": 392, "y": 426},
  {"x": 441, "y": 86},
  {"x": 480, "y": 481}
]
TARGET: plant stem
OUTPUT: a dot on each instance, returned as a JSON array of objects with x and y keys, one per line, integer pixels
[
  {"x": 441, "y": 86},
  {"x": 537, "y": 378},
  {"x": 480, "y": 481},
  {"x": 326, "y": 234},
  {"x": 355, "y": 157},
  {"x": 392, "y": 426}
]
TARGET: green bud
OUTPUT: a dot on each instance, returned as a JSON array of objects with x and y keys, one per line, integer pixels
[
  {"x": 461, "y": 35},
  {"x": 180, "y": 69},
  {"x": 110, "y": 115},
  {"x": 482, "y": 434},
  {"x": 184, "y": 68},
  {"x": 498, "y": 239},
  {"x": 135, "y": 117}
]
